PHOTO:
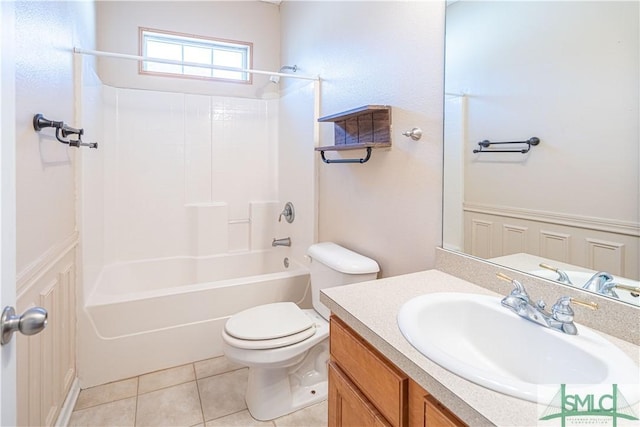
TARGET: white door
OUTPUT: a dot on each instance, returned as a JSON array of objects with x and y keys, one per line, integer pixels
[{"x": 7, "y": 209}]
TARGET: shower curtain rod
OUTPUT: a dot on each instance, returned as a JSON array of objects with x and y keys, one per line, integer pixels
[{"x": 189, "y": 64}]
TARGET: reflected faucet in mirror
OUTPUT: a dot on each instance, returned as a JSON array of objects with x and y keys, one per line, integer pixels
[
  {"x": 562, "y": 276},
  {"x": 603, "y": 283},
  {"x": 597, "y": 281}
]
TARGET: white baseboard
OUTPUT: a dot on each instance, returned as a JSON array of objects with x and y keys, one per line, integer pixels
[{"x": 69, "y": 404}]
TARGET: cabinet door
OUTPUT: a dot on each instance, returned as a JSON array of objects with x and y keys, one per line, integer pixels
[
  {"x": 417, "y": 395},
  {"x": 436, "y": 415},
  {"x": 348, "y": 407},
  {"x": 382, "y": 383}
]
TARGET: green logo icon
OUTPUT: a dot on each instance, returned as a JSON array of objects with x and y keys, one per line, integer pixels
[{"x": 612, "y": 405}]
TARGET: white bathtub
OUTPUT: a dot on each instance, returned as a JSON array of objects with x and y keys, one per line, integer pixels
[{"x": 153, "y": 314}]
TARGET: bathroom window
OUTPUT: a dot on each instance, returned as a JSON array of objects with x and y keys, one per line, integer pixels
[{"x": 197, "y": 50}]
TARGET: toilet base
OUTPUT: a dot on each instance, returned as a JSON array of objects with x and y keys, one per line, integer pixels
[{"x": 272, "y": 393}]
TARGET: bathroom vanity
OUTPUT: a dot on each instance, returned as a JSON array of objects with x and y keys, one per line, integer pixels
[
  {"x": 377, "y": 377},
  {"x": 387, "y": 398}
]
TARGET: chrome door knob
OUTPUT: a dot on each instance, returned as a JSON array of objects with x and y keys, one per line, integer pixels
[{"x": 31, "y": 322}]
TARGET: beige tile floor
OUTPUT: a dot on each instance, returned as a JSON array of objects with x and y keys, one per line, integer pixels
[{"x": 209, "y": 393}]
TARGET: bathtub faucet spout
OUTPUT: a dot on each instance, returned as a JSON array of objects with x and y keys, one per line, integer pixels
[{"x": 281, "y": 242}]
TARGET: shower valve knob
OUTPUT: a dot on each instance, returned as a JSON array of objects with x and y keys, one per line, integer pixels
[{"x": 288, "y": 213}]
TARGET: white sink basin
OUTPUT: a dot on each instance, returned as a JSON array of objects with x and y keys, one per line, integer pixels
[
  {"x": 477, "y": 338},
  {"x": 579, "y": 278}
]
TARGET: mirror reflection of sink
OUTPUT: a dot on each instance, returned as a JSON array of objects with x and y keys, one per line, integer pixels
[
  {"x": 579, "y": 278},
  {"x": 476, "y": 338}
]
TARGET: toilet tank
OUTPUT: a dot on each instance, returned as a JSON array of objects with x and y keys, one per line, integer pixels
[{"x": 332, "y": 265}]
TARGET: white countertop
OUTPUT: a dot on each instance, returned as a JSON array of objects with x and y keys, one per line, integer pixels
[{"x": 370, "y": 308}]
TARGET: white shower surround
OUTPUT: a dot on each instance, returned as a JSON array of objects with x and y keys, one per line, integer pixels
[
  {"x": 187, "y": 174},
  {"x": 181, "y": 183}
]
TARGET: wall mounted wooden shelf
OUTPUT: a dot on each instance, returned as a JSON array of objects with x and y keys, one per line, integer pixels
[{"x": 365, "y": 127}]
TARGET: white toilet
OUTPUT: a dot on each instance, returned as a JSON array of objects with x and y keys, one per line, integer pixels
[{"x": 287, "y": 348}]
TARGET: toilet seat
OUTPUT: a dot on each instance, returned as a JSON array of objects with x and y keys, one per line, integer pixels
[
  {"x": 269, "y": 344},
  {"x": 269, "y": 326}
]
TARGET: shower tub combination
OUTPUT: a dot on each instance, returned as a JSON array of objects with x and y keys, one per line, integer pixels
[{"x": 153, "y": 314}]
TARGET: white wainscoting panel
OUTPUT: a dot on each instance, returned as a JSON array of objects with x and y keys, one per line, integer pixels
[
  {"x": 606, "y": 256},
  {"x": 47, "y": 361},
  {"x": 594, "y": 243},
  {"x": 555, "y": 245},
  {"x": 514, "y": 239},
  {"x": 482, "y": 238}
]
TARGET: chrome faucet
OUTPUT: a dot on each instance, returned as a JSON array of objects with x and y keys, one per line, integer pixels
[
  {"x": 603, "y": 283},
  {"x": 281, "y": 242},
  {"x": 607, "y": 288},
  {"x": 560, "y": 318},
  {"x": 597, "y": 281},
  {"x": 562, "y": 276}
]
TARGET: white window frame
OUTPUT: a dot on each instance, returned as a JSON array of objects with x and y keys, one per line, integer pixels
[{"x": 183, "y": 39}]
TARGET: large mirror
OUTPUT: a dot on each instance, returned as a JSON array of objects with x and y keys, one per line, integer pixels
[{"x": 567, "y": 74}]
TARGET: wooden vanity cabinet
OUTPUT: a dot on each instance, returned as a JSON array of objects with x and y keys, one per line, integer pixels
[
  {"x": 426, "y": 411},
  {"x": 366, "y": 389},
  {"x": 348, "y": 406},
  {"x": 436, "y": 414}
]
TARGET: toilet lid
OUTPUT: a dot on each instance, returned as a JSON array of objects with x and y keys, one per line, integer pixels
[{"x": 269, "y": 322}]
